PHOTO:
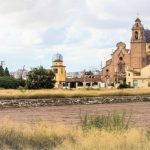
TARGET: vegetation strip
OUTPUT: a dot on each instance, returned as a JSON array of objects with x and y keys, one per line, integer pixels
[
  {"x": 113, "y": 131},
  {"x": 69, "y": 93}
]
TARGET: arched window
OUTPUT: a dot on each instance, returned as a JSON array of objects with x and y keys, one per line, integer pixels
[
  {"x": 136, "y": 35},
  {"x": 107, "y": 70},
  {"x": 120, "y": 58}
]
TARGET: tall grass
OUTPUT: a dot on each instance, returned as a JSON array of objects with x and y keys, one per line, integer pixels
[
  {"x": 110, "y": 122},
  {"x": 64, "y": 93},
  {"x": 42, "y": 136}
]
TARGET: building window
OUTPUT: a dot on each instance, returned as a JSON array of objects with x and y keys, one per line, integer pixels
[
  {"x": 149, "y": 46},
  {"x": 107, "y": 70},
  {"x": 129, "y": 74},
  {"x": 129, "y": 84},
  {"x": 55, "y": 71},
  {"x": 135, "y": 83},
  {"x": 120, "y": 58},
  {"x": 136, "y": 35}
]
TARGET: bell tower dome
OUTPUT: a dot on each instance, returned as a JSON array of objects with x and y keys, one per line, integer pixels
[
  {"x": 138, "y": 46},
  {"x": 138, "y": 32}
]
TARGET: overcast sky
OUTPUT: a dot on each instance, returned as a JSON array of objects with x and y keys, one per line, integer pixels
[{"x": 85, "y": 32}]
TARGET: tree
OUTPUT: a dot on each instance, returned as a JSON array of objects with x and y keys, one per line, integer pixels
[
  {"x": 40, "y": 78},
  {"x": 2, "y": 71},
  {"x": 6, "y": 72}
]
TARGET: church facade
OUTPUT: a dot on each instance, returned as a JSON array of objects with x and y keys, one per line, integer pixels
[{"x": 124, "y": 60}]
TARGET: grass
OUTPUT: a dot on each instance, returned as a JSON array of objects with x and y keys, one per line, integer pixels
[
  {"x": 41, "y": 135},
  {"x": 65, "y": 93},
  {"x": 112, "y": 122}
]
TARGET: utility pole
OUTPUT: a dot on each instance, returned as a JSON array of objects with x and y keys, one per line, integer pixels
[{"x": 2, "y": 63}]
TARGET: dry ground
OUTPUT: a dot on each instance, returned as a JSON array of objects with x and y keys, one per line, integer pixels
[{"x": 69, "y": 115}]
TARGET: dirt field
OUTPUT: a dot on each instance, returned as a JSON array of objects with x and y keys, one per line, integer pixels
[{"x": 71, "y": 114}]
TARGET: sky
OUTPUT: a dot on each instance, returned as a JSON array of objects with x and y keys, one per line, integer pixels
[{"x": 85, "y": 32}]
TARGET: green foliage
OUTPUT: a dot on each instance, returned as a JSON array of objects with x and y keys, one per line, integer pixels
[
  {"x": 9, "y": 82},
  {"x": 2, "y": 73},
  {"x": 6, "y": 72},
  {"x": 111, "y": 122},
  {"x": 21, "y": 82},
  {"x": 123, "y": 86},
  {"x": 40, "y": 78}
]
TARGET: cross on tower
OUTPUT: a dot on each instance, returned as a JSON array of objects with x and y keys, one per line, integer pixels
[{"x": 138, "y": 14}]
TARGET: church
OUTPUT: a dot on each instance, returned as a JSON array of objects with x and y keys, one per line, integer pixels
[
  {"x": 130, "y": 66},
  {"x": 127, "y": 65}
]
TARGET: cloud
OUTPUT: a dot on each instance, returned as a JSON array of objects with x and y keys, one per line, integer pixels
[{"x": 84, "y": 31}]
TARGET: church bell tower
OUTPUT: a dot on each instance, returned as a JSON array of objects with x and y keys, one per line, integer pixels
[{"x": 138, "y": 46}]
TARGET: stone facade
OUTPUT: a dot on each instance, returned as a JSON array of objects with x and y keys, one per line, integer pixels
[{"x": 133, "y": 59}]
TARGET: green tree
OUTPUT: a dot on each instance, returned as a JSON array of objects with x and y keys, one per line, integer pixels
[
  {"x": 40, "y": 78},
  {"x": 6, "y": 72},
  {"x": 2, "y": 73}
]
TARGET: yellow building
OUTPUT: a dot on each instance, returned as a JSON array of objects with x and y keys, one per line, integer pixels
[
  {"x": 59, "y": 70},
  {"x": 139, "y": 78}
]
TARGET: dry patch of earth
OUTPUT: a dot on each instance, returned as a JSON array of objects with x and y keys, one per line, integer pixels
[{"x": 70, "y": 114}]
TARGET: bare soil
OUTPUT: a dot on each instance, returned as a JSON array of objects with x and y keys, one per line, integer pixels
[{"x": 70, "y": 114}]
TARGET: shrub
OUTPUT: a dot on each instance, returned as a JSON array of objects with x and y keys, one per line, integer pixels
[
  {"x": 123, "y": 86},
  {"x": 21, "y": 82},
  {"x": 9, "y": 82}
]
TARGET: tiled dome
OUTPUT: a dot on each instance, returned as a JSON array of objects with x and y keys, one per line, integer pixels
[
  {"x": 57, "y": 57},
  {"x": 137, "y": 20}
]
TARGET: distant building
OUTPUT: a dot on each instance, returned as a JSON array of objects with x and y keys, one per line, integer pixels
[
  {"x": 139, "y": 79},
  {"x": 20, "y": 73},
  {"x": 72, "y": 74},
  {"x": 85, "y": 81}
]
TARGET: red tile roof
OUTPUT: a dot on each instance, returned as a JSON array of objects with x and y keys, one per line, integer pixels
[{"x": 86, "y": 78}]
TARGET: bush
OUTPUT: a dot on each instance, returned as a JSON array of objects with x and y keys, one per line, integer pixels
[
  {"x": 9, "y": 82},
  {"x": 111, "y": 122},
  {"x": 40, "y": 78},
  {"x": 21, "y": 82},
  {"x": 123, "y": 86}
]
